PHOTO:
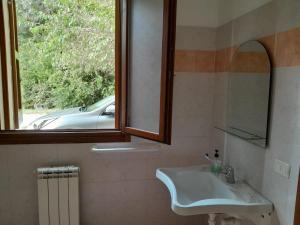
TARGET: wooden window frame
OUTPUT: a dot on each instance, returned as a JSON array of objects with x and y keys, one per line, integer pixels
[
  {"x": 5, "y": 99},
  {"x": 13, "y": 31},
  {"x": 121, "y": 133}
]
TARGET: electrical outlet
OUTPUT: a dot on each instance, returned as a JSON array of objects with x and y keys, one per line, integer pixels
[{"x": 282, "y": 168}]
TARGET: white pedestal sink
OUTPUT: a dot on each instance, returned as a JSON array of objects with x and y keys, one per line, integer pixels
[{"x": 195, "y": 190}]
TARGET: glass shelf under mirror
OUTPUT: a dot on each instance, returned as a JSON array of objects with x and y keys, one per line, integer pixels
[{"x": 245, "y": 135}]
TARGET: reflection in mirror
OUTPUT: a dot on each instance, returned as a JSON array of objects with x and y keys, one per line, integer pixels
[{"x": 248, "y": 91}]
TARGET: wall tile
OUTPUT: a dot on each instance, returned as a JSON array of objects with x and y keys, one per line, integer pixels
[
  {"x": 288, "y": 48},
  {"x": 195, "y": 38},
  {"x": 224, "y": 35},
  {"x": 287, "y": 13},
  {"x": 255, "y": 24},
  {"x": 4, "y": 189}
]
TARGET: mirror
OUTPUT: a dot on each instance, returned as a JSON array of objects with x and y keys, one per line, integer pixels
[
  {"x": 248, "y": 93},
  {"x": 109, "y": 111}
]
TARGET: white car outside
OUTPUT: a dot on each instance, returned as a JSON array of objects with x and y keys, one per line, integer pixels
[{"x": 100, "y": 115}]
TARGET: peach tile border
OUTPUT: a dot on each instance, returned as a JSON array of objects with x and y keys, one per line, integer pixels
[
  {"x": 223, "y": 59},
  {"x": 283, "y": 48},
  {"x": 194, "y": 61},
  {"x": 288, "y": 48}
]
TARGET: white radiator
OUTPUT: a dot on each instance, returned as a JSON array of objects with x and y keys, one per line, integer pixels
[{"x": 58, "y": 195}]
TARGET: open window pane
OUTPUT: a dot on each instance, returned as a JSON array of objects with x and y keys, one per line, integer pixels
[
  {"x": 67, "y": 63},
  {"x": 149, "y": 67},
  {"x": 145, "y": 58}
]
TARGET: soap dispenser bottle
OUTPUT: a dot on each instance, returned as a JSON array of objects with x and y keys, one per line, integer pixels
[{"x": 216, "y": 167}]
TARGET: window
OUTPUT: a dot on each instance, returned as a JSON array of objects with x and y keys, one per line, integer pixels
[
  {"x": 66, "y": 63},
  {"x": 99, "y": 70}
]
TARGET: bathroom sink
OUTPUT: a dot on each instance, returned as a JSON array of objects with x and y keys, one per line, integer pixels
[{"x": 195, "y": 190}]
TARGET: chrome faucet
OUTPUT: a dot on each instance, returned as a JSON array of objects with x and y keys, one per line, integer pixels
[{"x": 228, "y": 171}]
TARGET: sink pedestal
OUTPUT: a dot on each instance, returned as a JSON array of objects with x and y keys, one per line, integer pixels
[
  {"x": 211, "y": 219},
  {"x": 258, "y": 219},
  {"x": 230, "y": 221}
]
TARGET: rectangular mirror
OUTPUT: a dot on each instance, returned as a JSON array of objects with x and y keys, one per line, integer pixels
[{"x": 248, "y": 92}]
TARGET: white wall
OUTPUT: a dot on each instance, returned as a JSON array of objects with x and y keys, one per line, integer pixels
[
  {"x": 213, "y": 13},
  {"x": 199, "y": 13},
  {"x": 232, "y": 9}
]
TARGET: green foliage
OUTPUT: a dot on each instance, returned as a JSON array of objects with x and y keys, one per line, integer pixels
[{"x": 66, "y": 51}]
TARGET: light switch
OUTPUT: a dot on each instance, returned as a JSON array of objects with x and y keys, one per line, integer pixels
[{"x": 282, "y": 168}]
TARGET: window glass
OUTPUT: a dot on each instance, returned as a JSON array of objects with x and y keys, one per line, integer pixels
[
  {"x": 67, "y": 63},
  {"x": 145, "y": 63}
]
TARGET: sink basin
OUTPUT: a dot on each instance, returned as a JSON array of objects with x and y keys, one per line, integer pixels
[{"x": 195, "y": 190}]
